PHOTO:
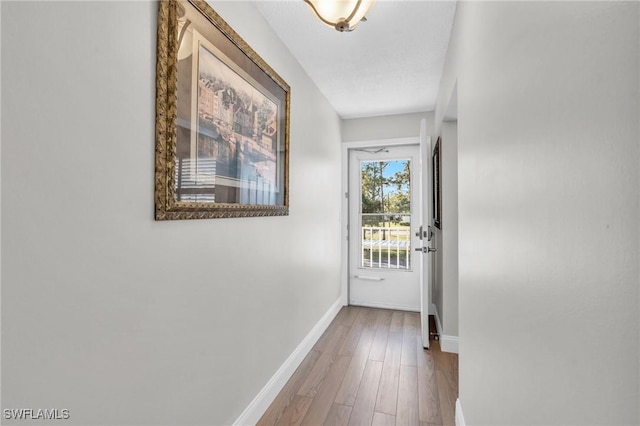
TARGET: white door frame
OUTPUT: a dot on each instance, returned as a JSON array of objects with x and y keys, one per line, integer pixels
[
  {"x": 385, "y": 287},
  {"x": 346, "y": 146}
]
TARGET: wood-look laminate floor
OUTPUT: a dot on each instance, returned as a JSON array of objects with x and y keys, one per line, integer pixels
[{"x": 369, "y": 368}]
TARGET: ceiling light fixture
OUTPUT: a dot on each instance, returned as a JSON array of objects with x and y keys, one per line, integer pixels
[{"x": 343, "y": 15}]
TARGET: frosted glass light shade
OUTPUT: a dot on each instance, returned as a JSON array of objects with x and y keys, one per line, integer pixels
[{"x": 343, "y": 15}]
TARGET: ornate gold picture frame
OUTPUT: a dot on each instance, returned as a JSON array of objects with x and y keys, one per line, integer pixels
[{"x": 222, "y": 121}]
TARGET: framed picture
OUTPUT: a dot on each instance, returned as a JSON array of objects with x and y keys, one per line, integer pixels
[
  {"x": 437, "y": 183},
  {"x": 222, "y": 121}
]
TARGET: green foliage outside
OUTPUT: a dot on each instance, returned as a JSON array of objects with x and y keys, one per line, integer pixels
[
  {"x": 386, "y": 193},
  {"x": 386, "y": 204}
]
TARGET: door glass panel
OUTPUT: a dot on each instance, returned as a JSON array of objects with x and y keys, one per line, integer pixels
[{"x": 385, "y": 214}]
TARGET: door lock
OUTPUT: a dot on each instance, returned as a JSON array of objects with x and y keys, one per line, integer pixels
[{"x": 422, "y": 234}]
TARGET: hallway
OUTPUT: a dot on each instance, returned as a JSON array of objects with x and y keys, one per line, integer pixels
[{"x": 369, "y": 367}]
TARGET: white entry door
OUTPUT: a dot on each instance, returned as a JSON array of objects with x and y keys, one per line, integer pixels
[
  {"x": 384, "y": 220},
  {"x": 425, "y": 232}
]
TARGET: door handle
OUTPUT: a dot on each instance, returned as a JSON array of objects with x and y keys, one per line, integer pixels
[{"x": 426, "y": 249}]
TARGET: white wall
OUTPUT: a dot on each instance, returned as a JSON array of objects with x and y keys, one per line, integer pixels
[
  {"x": 548, "y": 103},
  {"x": 447, "y": 237},
  {"x": 446, "y": 269},
  {"x": 105, "y": 312},
  {"x": 384, "y": 127}
]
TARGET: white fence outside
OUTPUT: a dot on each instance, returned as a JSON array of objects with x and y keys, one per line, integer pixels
[{"x": 386, "y": 247}]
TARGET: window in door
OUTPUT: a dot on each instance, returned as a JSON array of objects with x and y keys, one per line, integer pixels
[{"x": 385, "y": 214}]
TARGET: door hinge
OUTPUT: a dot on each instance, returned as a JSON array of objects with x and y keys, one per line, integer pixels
[{"x": 346, "y": 195}]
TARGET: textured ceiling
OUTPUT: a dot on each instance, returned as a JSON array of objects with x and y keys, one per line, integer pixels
[{"x": 390, "y": 64}]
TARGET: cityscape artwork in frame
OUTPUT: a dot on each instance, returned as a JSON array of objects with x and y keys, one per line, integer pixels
[{"x": 222, "y": 121}]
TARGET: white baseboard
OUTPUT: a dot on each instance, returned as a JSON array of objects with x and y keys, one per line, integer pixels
[
  {"x": 447, "y": 343},
  {"x": 459, "y": 416},
  {"x": 265, "y": 397}
]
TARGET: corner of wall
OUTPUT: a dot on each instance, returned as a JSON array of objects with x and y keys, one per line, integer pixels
[
  {"x": 447, "y": 343},
  {"x": 269, "y": 392}
]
